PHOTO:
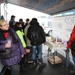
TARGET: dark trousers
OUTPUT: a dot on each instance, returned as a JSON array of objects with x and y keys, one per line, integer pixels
[
  {"x": 29, "y": 55},
  {"x": 15, "y": 69},
  {"x": 26, "y": 57},
  {"x": 23, "y": 60}
]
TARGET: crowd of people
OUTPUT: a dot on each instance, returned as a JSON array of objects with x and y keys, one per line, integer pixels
[
  {"x": 17, "y": 38},
  {"x": 24, "y": 41}
]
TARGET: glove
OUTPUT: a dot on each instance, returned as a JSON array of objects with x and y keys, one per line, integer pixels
[{"x": 27, "y": 50}]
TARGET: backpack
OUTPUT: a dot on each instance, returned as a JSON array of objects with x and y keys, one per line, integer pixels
[
  {"x": 34, "y": 37},
  {"x": 73, "y": 45}
]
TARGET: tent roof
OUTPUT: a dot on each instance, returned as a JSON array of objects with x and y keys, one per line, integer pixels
[{"x": 46, "y": 6}]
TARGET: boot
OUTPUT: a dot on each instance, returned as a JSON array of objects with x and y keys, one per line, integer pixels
[
  {"x": 72, "y": 71},
  {"x": 34, "y": 64},
  {"x": 41, "y": 64},
  {"x": 23, "y": 68}
]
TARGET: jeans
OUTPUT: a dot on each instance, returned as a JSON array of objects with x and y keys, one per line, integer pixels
[
  {"x": 67, "y": 58},
  {"x": 15, "y": 69},
  {"x": 37, "y": 50},
  {"x": 74, "y": 61}
]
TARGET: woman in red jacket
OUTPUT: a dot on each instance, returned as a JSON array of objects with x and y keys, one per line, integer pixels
[{"x": 72, "y": 37}]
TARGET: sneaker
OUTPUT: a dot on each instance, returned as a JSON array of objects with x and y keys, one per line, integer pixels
[
  {"x": 72, "y": 71},
  {"x": 29, "y": 62}
]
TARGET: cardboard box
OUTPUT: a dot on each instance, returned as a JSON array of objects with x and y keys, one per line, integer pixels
[{"x": 54, "y": 60}]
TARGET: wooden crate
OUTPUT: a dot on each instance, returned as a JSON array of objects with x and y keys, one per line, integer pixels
[{"x": 54, "y": 60}]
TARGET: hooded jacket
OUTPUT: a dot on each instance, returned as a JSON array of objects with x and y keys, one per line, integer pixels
[{"x": 36, "y": 27}]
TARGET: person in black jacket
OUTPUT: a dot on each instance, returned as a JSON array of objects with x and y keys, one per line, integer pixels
[
  {"x": 23, "y": 24},
  {"x": 36, "y": 42},
  {"x": 27, "y": 22},
  {"x": 12, "y": 21}
]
